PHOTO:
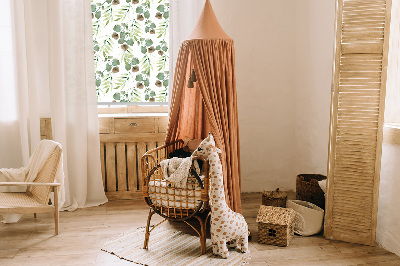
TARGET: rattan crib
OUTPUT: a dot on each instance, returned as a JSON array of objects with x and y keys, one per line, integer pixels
[{"x": 170, "y": 202}]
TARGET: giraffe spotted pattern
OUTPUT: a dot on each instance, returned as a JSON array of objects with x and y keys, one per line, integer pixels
[{"x": 226, "y": 225}]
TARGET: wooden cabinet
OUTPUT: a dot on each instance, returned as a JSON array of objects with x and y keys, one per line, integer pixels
[{"x": 123, "y": 141}]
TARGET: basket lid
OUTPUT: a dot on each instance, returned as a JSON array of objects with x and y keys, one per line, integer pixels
[
  {"x": 275, "y": 215},
  {"x": 275, "y": 194}
]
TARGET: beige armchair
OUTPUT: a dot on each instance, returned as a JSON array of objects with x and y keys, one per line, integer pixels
[{"x": 36, "y": 197}]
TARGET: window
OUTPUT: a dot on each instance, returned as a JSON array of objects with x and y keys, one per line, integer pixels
[{"x": 131, "y": 50}]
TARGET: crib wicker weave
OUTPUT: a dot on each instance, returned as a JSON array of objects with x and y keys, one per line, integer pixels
[{"x": 170, "y": 202}]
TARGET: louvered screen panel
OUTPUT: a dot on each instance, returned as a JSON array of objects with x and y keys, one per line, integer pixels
[{"x": 358, "y": 96}]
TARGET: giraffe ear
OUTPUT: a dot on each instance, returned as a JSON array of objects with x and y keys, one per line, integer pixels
[{"x": 216, "y": 149}]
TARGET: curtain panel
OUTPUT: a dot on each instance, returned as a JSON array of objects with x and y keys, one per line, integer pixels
[{"x": 54, "y": 74}]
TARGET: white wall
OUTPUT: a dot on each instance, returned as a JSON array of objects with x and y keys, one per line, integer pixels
[
  {"x": 284, "y": 52},
  {"x": 388, "y": 227},
  {"x": 314, "y": 60}
]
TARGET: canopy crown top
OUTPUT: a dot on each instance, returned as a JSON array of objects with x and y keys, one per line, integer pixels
[{"x": 207, "y": 26}]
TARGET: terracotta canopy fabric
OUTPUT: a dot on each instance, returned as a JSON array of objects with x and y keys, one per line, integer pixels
[{"x": 210, "y": 106}]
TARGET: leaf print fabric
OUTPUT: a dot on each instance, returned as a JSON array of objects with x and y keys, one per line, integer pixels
[{"x": 130, "y": 39}]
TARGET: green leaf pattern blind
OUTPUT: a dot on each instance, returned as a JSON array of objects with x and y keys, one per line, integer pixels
[{"x": 130, "y": 39}]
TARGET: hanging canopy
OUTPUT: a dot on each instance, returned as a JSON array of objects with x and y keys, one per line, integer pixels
[{"x": 205, "y": 101}]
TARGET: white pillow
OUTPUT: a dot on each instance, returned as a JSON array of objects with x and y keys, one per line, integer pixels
[{"x": 322, "y": 184}]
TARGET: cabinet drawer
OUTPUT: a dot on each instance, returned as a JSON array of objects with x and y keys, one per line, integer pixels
[
  {"x": 162, "y": 124},
  {"x": 134, "y": 125}
]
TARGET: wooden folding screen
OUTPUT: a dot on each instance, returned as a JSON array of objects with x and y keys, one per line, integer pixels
[{"x": 358, "y": 96}]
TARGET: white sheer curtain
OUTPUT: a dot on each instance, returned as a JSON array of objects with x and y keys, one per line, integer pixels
[
  {"x": 54, "y": 73},
  {"x": 10, "y": 156},
  {"x": 183, "y": 18}
]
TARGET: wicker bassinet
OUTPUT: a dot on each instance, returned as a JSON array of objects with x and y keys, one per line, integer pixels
[{"x": 170, "y": 202}]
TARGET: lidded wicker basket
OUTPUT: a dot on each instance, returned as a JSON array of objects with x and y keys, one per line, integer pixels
[
  {"x": 275, "y": 225},
  {"x": 308, "y": 189},
  {"x": 274, "y": 198}
]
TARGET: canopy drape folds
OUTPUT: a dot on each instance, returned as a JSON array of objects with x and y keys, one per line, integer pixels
[{"x": 210, "y": 106}]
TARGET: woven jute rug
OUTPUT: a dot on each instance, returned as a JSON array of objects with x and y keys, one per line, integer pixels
[{"x": 168, "y": 247}]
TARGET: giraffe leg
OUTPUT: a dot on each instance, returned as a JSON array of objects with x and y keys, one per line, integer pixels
[
  {"x": 222, "y": 249},
  {"x": 232, "y": 244},
  {"x": 215, "y": 248},
  {"x": 243, "y": 243}
]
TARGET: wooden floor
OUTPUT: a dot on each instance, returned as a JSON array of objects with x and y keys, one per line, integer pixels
[{"x": 83, "y": 232}]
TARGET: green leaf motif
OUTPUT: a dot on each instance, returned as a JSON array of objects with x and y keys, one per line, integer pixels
[
  {"x": 146, "y": 14},
  {"x": 117, "y": 28},
  {"x": 143, "y": 49},
  {"x": 139, "y": 77},
  {"x": 139, "y": 10},
  {"x": 148, "y": 42},
  {"x": 165, "y": 83},
  {"x": 108, "y": 67},
  {"x": 160, "y": 8},
  {"x": 160, "y": 76},
  {"x": 135, "y": 61},
  {"x": 115, "y": 62},
  {"x": 117, "y": 96},
  {"x": 98, "y": 14}
]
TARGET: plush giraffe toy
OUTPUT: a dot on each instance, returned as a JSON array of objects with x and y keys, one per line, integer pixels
[{"x": 226, "y": 225}]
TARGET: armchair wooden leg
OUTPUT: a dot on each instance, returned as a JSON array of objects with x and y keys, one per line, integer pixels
[
  {"x": 56, "y": 212},
  {"x": 147, "y": 235}
]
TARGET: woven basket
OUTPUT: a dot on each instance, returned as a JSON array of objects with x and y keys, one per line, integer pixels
[
  {"x": 308, "y": 189},
  {"x": 274, "y": 198},
  {"x": 275, "y": 225}
]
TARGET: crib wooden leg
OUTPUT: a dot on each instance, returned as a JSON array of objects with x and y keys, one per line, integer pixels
[
  {"x": 203, "y": 232},
  {"x": 34, "y": 215},
  {"x": 203, "y": 236},
  {"x": 147, "y": 235}
]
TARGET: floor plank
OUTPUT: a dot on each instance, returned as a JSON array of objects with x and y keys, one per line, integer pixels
[{"x": 82, "y": 233}]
